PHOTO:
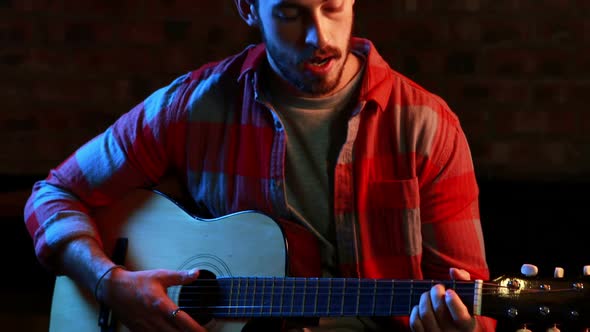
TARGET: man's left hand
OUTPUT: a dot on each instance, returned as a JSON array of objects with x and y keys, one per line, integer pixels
[{"x": 443, "y": 310}]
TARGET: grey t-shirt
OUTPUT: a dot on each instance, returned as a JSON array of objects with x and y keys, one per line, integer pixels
[{"x": 316, "y": 129}]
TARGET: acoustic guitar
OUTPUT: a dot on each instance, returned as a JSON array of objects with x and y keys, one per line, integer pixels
[{"x": 244, "y": 259}]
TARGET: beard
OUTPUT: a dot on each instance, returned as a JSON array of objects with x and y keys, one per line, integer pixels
[{"x": 290, "y": 67}]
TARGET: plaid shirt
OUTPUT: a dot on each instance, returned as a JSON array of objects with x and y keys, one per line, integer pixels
[{"x": 405, "y": 194}]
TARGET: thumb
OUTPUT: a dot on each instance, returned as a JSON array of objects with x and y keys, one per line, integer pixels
[
  {"x": 172, "y": 278},
  {"x": 459, "y": 274},
  {"x": 190, "y": 276}
]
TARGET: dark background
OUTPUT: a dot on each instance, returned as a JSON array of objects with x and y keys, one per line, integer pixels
[{"x": 516, "y": 72}]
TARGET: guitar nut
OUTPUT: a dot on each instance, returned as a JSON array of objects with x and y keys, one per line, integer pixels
[{"x": 514, "y": 284}]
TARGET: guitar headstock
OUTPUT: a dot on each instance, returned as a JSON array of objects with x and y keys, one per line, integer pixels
[{"x": 547, "y": 303}]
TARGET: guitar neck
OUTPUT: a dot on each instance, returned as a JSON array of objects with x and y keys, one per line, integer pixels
[{"x": 313, "y": 297}]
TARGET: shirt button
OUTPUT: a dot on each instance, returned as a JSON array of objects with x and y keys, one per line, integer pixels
[{"x": 278, "y": 184}]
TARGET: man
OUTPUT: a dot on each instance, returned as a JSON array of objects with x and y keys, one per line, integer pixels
[{"x": 313, "y": 127}]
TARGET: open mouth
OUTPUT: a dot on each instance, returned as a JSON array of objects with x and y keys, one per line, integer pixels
[
  {"x": 319, "y": 65},
  {"x": 318, "y": 62}
]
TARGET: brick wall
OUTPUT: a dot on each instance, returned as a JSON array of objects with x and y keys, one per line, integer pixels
[{"x": 515, "y": 71}]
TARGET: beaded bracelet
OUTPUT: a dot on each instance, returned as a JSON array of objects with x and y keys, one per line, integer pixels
[{"x": 102, "y": 277}]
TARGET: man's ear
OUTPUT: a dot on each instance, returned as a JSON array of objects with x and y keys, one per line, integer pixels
[{"x": 248, "y": 12}]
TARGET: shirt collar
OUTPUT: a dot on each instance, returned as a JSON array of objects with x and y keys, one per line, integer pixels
[{"x": 373, "y": 87}]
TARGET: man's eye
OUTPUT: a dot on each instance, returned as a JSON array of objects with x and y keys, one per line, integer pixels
[{"x": 287, "y": 13}]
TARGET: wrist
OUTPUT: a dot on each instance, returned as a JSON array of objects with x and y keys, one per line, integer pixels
[{"x": 99, "y": 283}]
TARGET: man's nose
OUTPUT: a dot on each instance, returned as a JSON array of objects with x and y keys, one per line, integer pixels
[{"x": 316, "y": 35}]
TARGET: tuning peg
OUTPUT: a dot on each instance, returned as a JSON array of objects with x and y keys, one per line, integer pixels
[
  {"x": 529, "y": 270},
  {"x": 558, "y": 273},
  {"x": 586, "y": 270}
]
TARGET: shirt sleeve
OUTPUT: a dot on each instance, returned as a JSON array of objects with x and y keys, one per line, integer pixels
[
  {"x": 133, "y": 152},
  {"x": 451, "y": 227}
]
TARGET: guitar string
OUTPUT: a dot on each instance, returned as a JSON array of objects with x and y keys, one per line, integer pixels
[
  {"x": 269, "y": 282},
  {"x": 401, "y": 307},
  {"x": 378, "y": 293},
  {"x": 241, "y": 303},
  {"x": 192, "y": 290},
  {"x": 310, "y": 285}
]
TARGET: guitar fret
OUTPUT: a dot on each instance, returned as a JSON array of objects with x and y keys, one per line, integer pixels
[
  {"x": 253, "y": 296},
  {"x": 358, "y": 297},
  {"x": 382, "y": 297},
  {"x": 315, "y": 305},
  {"x": 365, "y": 297},
  {"x": 343, "y": 294},
  {"x": 257, "y": 309},
  {"x": 239, "y": 304},
  {"x": 411, "y": 296},
  {"x": 304, "y": 293},
  {"x": 231, "y": 294},
  {"x": 300, "y": 304},
  {"x": 374, "y": 296},
  {"x": 245, "y": 296},
  {"x": 234, "y": 295},
  {"x": 282, "y": 297},
  {"x": 391, "y": 300},
  {"x": 272, "y": 293},
  {"x": 310, "y": 298},
  {"x": 238, "y": 296},
  {"x": 292, "y": 296},
  {"x": 262, "y": 298},
  {"x": 353, "y": 297},
  {"x": 329, "y": 296}
]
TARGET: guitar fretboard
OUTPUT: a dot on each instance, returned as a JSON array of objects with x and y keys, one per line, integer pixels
[{"x": 311, "y": 297}]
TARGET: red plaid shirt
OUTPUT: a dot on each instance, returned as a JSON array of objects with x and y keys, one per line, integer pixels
[{"x": 405, "y": 194}]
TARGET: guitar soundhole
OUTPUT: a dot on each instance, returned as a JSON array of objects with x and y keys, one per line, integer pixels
[{"x": 200, "y": 297}]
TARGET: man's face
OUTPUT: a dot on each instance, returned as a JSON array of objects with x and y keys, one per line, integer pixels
[{"x": 307, "y": 41}]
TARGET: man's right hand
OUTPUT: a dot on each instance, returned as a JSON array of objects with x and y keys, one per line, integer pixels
[{"x": 139, "y": 299}]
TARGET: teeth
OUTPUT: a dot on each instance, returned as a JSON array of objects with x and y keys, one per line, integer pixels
[{"x": 321, "y": 63}]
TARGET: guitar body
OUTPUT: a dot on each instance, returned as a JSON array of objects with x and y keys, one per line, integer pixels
[{"x": 162, "y": 235}]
